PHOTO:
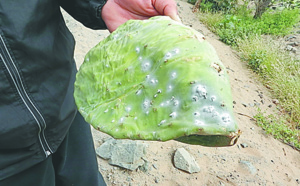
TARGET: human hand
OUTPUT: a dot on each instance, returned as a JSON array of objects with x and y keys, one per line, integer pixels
[{"x": 117, "y": 12}]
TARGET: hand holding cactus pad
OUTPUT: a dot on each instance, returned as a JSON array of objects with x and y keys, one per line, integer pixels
[{"x": 158, "y": 80}]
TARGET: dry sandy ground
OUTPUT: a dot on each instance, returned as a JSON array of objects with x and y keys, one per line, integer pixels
[{"x": 265, "y": 161}]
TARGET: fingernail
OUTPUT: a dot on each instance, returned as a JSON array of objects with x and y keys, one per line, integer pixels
[{"x": 178, "y": 18}]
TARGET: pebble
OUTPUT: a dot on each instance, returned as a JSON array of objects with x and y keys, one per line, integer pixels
[
  {"x": 244, "y": 104},
  {"x": 154, "y": 166},
  {"x": 244, "y": 145},
  {"x": 251, "y": 105},
  {"x": 290, "y": 37},
  {"x": 156, "y": 179},
  {"x": 127, "y": 154},
  {"x": 184, "y": 161},
  {"x": 249, "y": 166},
  {"x": 275, "y": 101}
]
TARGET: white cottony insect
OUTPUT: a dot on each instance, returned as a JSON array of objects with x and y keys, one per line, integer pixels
[
  {"x": 146, "y": 104},
  {"x": 213, "y": 98},
  {"x": 121, "y": 120},
  {"x": 208, "y": 109},
  {"x": 106, "y": 111},
  {"x": 215, "y": 113},
  {"x": 138, "y": 92},
  {"x": 173, "y": 75},
  {"x": 201, "y": 91},
  {"x": 176, "y": 50},
  {"x": 137, "y": 49},
  {"x": 158, "y": 91},
  {"x": 162, "y": 122},
  {"x": 168, "y": 55},
  {"x": 153, "y": 81},
  {"x": 176, "y": 102},
  {"x": 128, "y": 109},
  {"x": 196, "y": 114},
  {"x": 173, "y": 115},
  {"x": 226, "y": 118},
  {"x": 199, "y": 123},
  {"x": 146, "y": 65}
]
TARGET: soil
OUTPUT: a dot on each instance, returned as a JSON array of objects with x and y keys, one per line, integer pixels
[{"x": 257, "y": 159}]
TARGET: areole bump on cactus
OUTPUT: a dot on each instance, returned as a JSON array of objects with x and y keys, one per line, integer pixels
[{"x": 157, "y": 80}]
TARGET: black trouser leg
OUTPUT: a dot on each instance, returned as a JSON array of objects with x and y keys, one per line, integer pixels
[
  {"x": 75, "y": 161},
  {"x": 73, "y": 164},
  {"x": 41, "y": 174}
]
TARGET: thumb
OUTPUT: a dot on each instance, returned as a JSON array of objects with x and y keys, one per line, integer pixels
[
  {"x": 168, "y": 8},
  {"x": 174, "y": 16}
]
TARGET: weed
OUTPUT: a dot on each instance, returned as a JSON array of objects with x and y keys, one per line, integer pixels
[
  {"x": 277, "y": 127},
  {"x": 265, "y": 55}
]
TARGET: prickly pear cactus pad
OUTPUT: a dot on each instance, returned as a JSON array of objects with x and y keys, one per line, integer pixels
[{"x": 158, "y": 80}]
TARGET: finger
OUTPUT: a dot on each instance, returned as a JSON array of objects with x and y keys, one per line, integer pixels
[{"x": 167, "y": 7}]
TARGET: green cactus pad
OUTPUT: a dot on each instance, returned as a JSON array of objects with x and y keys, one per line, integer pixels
[{"x": 158, "y": 80}]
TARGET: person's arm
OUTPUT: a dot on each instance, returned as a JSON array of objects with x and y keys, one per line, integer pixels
[
  {"x": 99, "y": 14},
  {"x": 88, "y": 12},
  {"x": 117, "y": 12}
]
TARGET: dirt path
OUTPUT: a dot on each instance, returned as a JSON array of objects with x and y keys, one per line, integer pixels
[{"x": 263, "y": 161}]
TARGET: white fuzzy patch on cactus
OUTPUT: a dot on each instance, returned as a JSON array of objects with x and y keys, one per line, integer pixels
[{"x": 156, "y": 79}]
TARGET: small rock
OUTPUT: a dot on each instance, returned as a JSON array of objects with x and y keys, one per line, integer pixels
[
  {"x": 290, "y": 37},
  {"x": 127, "y": 154},
  {"x": 247, "y": 165},
  {"x": 156, "y": 179},
  {"x": 257, "y": 104},
  {"x": 275, "y": 101},
  {"x": 154, "y": 166},
  {"x": 184, "y": 161},
  {"x": 244, "y": 104},
  {"x": 291, "y": 48},
  {"x": 244, "y": 145},
  {"x": 261, "y": 96},
  {"x": 269, "y": 106}
]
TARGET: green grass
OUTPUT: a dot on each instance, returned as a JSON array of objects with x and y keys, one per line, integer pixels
[
  {"x": 277, "y": 127},
  {"x": 278, "y": 70},
  {"x": 257, "y": 42}
]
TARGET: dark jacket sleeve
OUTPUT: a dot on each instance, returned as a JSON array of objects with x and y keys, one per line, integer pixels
[{"x": 88, "y": 12}]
